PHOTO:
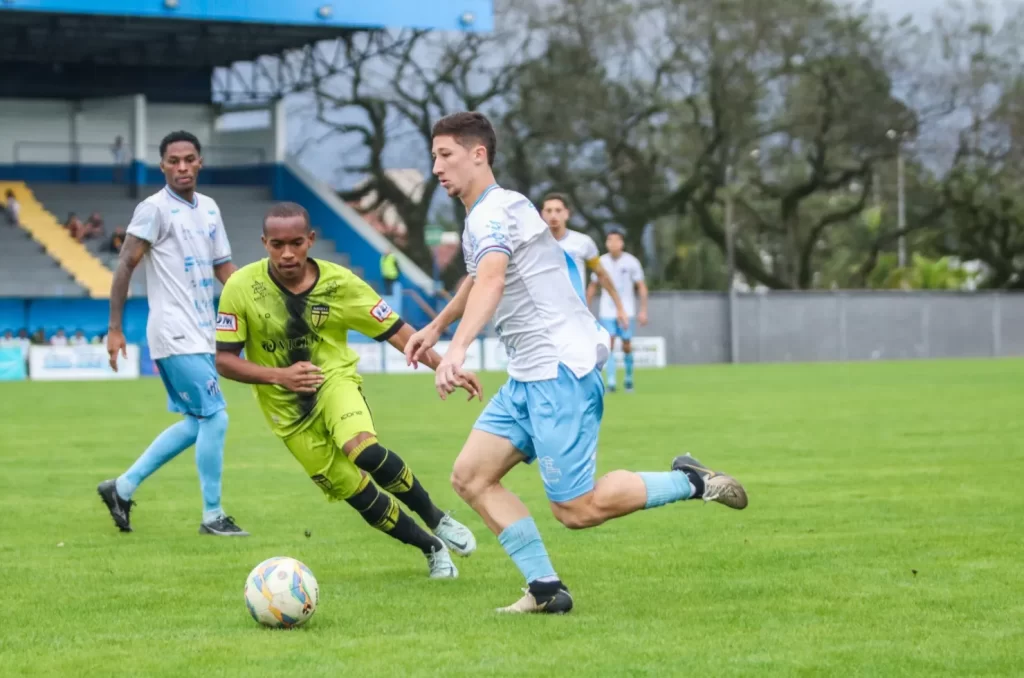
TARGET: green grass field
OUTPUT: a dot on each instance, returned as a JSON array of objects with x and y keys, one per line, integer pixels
[{"x": 883, "y": 537}]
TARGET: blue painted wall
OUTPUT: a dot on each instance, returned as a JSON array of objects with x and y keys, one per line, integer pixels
[{"x": 252, "y": 175}]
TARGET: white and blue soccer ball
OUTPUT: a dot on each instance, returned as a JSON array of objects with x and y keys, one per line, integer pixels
[{"x": 281, "y": 593}]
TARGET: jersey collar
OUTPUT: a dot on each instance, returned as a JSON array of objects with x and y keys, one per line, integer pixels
[
  {"x": 316, "y": 280},
  {"x": 482, "y": 196},
  {"x": 195, "y": 199}
]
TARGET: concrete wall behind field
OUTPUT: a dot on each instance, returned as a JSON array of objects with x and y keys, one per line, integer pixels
[{"x": 813, "y": 326}]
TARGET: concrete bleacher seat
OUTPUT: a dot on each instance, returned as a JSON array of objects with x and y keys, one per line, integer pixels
[
  {"x": 28, "y": 271},
  {"x": 242, "y": 208}
]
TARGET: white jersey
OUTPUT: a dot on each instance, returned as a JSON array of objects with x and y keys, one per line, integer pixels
[
  {"x": 625, "y": 273},
  {"x": 540, "y": 320},
  {"x": 581, "y": 248},
  {"x": 186, "y": 241}
]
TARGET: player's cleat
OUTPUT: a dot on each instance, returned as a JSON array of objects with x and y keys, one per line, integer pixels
[
  {"x": 120, "y": 509},
  {"x": 558, "y": 602},
  {"x": 441, "y": 565},
  {"x": 610, "y": 388},
  {"x": 713, "y": 486},
  {"x": 455, "y": 536},
  {"x": 223, "y": 527},
  {"x": 629, "y": 387}
]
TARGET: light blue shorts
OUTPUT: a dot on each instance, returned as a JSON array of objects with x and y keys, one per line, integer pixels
[
  {"x": 555, "y": 421},
  {"x": 191, "y": 383},
  {"x": 612, "y": 325}
]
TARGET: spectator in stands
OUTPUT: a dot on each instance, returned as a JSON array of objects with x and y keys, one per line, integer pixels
[
  {"x": 24, "y": 341},
  {"x": 120, "y": 154},
  {"x": 12, "y": 210},
  {"x": 78, "y": 339},
  {"x": 389, "y": 270},
  {"x": 60, "y": 338},
  {"x": 8, "y": 340},
  {"x": 38, "y": 337},
  {"x": 116, "y": 240},
  {"x": 76, "y": 229},
  {"x": 94, "y": 226}
]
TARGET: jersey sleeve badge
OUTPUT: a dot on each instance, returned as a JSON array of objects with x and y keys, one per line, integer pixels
[
  {"x": 227, "y": 322},
  {"x": 381, "y": 311}
]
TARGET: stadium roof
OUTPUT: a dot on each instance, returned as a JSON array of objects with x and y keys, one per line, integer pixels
[
  {"x": 33, "y": 37},
  {"x": 82, "y": 48}
]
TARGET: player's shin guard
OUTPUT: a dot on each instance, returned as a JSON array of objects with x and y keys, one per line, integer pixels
[
  {"x": 210, "y": 462},
  {"x": 523, "y": 544},
  {"x": 168, "y": 445},
  {"x": 390, "y": 472},
  {"x": 381, "y": 511},
  {"x": 628, "y": 360},
  {"x": 609, "y": 371}
]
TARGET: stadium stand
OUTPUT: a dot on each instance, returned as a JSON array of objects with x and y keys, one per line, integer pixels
[
  {"x": 243, "y": 208},
  {"x": 44, "y": 263}
]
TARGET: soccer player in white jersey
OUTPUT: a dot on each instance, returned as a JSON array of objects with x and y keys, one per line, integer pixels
[
  {"x": 581, "y": 251},
  {"x": 179, "y": 233},
  {"x": 628, "y": 278},
  {"x": 551, "y": 407}
]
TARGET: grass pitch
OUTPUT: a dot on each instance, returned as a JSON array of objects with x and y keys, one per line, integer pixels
[{"x": 883, "y": 537}]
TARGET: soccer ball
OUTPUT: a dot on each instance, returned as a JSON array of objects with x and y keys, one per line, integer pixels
[{"x": 281, "y": 593}]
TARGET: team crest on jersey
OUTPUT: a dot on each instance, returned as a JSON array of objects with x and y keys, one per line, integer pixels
[
  {"x": 227, "y": 322},
  {"x": 381, "y": 311},
  {"x": 318, "y": 314}
]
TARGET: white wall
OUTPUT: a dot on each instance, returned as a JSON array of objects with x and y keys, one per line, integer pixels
[
  {"x": 220, "y": 148},
  {"x": 46, "y": 130},
  {"x": 32, "y": 122}
]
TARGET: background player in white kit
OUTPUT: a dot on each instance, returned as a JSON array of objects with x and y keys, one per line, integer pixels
[
  {"x": 581, "y": 250},
  {"x": 551, "y": 407},
  {"x": 180, "y": 235},
  {"x": 628, "y": 278}
]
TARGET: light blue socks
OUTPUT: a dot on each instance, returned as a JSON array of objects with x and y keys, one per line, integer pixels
[
  {"x": 628, "y": 359},
  {"x": 168, "y": 445},
  {"x": 522, "y": 543},
  {"x": 210, "y": 462},
  {"x": 609, "y": 370},
  {"x": 207, "y": 435},
  {"x": 665, "y": 487}
]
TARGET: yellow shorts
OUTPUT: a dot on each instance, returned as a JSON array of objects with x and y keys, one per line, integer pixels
[{"x": 341, "y": 414}]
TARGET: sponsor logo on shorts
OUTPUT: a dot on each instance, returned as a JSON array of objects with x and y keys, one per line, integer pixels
[
  {"x": 212, "y": 387},
  {"x": 549, "y": 472},
  {"x": 227, "y": 322},
  {"x": 381, "y": 311},
  {"x": 318, "y": 314}
]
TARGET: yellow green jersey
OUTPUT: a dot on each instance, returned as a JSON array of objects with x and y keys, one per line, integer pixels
[{"x": 278, "y": 328}]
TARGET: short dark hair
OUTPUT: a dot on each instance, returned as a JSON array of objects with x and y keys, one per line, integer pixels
[
  {"x": 284, "y": 210},
  {"x": 180, "y": 135},
  {"x": 616, "y": 230},
  {"x": 468, "y": 127},
  {"x": 560, "y": 197}
]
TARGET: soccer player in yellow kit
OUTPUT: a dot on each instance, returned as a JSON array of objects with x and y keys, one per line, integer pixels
[{"x": 291, "y": 314}]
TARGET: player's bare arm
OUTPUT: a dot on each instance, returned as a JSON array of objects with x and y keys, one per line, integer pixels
[
  {"x": 132, "y": 251},
  {"x": 606, "y": 283},
  {"x": 641, "y": 289},
  {"x": 469, "y": 381},
  {"x": 223, "y": 271},
  {"x": 420, "y": 342},
  {"x": 481, "y": 303},
  {"x": 302, "y": 377}
]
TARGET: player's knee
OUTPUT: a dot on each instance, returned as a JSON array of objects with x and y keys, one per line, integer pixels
[
  {"x": 386, "y": 467},
  {"x": 465, "y": 483},
  {"x": 627, "y": 346},
  {"x": 217, "y": 421}
]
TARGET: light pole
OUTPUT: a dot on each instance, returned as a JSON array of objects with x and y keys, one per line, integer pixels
[
  {"x": 730, "y": 253},
  {"x": 901, "y": 202}
]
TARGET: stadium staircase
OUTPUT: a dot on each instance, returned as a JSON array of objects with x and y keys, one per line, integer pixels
[{"x": 42, "y": 226}]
